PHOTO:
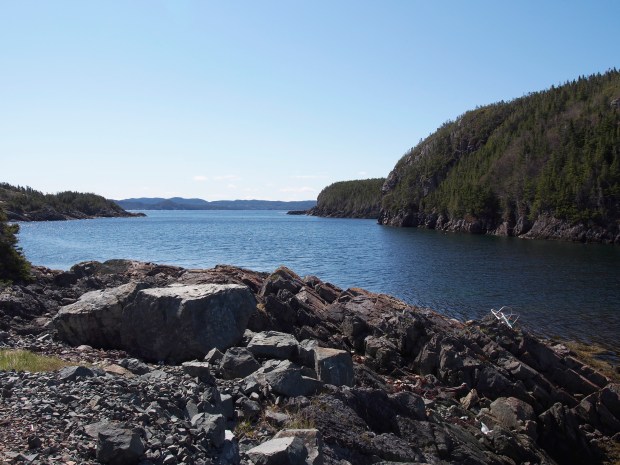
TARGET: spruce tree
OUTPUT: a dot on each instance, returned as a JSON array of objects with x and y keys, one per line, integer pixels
[{"x": 13, "y": 264}]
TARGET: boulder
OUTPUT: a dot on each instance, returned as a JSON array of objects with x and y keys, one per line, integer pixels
[
  {"x": 333, "y": 366},
  {"x": 312, "y": 439},
  {"x": 280, "y": 451},
  {"x": 273, "y": 344},
  {"x": 238, "y": 362},
  {"x": 214, "y": 356},
  {"x": 135, "y": 366},
  {"x": 75, "y": 372},
  {"x": 96, "y": 318},
  {"x": 117, "y": 445},
  {"x": 287, "y": 379},
  {"x": 511, "y": 413},
  {"x": 199, "y": 370},
  {"x": 211, "y": 428},
  {"x": 179, "y": 323},
  {"x": 172, "y": 324}
]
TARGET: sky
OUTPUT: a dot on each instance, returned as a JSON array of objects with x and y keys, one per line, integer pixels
[{"x": 265, "y": 99}]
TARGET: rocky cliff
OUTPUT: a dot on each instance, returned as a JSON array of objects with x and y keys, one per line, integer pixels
[{"x": 283, "y": 369}]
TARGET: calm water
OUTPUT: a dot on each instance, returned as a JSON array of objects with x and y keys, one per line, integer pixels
[{"x": 565, "y": 289}]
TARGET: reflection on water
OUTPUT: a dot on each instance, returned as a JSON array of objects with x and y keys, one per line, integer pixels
[{"x": 558, "y": 288}]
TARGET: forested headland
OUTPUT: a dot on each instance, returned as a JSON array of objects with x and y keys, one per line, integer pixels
[
  {"x": 544, "y": 165},
  {"x": 350, "y": 199},
  {"x": 28, "y": 204}
]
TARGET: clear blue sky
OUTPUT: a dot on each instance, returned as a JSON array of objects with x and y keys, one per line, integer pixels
[{"x": 265, "y": 99}]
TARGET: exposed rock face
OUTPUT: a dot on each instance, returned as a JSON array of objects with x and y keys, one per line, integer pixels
[
  {"x": 184, "y": 322},
  {"x": 96, "y": 318},
  {"x": 333, "y": 366},
  {"x": 174, "y": 323},
  {"x": 543, "y": 227}
]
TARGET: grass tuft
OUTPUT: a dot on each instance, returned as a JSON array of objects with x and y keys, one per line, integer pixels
[{"x": 24, "y": 360}]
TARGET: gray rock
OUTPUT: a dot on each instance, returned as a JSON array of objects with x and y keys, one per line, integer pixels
[
  {"x": 135, "y": 366},
  {"x": 286, "y": 378},
  {"x": 96, "y": 318},
  {"x": 273, "y": 344},
  {"x": 511, "y": 413},
  {"x": 334, "y": 366},
  {"x": 312, "y": 439},
  {"x": 247, "y": 407},
  {"x": 73, "y": 373},
  {"x": 179, "y": 323},
  {"x": 214, "y": 356},
  {"x": 227, "y": 405},
  {"x": 199, "y": 370},
  {"x": 238, "y": 362},
  {"x": 212, "y": 426},
  {"x": 119, "y": 446},
  {"x": 281, "y": 451},
  {"x": 305, "y": 352}
]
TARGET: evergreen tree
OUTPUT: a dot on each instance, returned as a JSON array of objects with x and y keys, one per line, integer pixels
[{"x": 13, "y": 264}]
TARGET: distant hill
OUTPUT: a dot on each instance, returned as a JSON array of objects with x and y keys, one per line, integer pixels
[
  {"x": 350, "y": 199},
  {"x": 178, "y": 203},
  {"x": 27, "y": 204},
  {"x": 546, "y": 165}
]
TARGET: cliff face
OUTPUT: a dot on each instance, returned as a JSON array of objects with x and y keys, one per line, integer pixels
[{"x": 546, "y": 165}]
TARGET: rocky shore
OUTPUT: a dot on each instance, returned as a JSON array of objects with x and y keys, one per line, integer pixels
[
  {"x": 231, "y": 366},
  {"x": 543, "y": 227},
  {"x": 51, "y": 214}
]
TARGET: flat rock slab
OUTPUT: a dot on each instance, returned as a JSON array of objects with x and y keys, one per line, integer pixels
[
  {"x": 273, "y": 344},
  {"x": 281, "y": 451}
]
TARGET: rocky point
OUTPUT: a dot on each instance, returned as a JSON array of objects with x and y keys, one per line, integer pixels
[{"x": 230, "y": 366}]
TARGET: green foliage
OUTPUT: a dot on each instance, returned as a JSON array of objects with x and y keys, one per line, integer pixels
[
  {"x": 554, "y": 152},
  {"x": 24, "y": 200},
  {"x": 359, "y": 199},
  {"x": 13, "y": 264}
]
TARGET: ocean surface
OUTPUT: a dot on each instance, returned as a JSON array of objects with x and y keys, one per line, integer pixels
[{"x": 558, "y": 289}]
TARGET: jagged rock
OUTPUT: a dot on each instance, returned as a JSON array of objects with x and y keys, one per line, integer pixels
[
  {"x": 75, "y": 372},
  {"x": 280, "y": 451},
  {"x": 210, "y": 427},
  {"x": 96, "y": 318},
  {"x": 248, "y": 408},
  {"x": 312, "y": 439},
  {"x": 179, "y": 323},
  {"x": 238, "y": 362},
  {"x": 214, "y": 357},
  {"x": 305, "y": 352},
  {"x": 610, "y": 397},
  {"x": 135, "y": 366},
  {"x": 334, "y": 366},
  {"x": 118, "y": 446},
  {"x": 273, "y": 344},
  {"x": 511, "y": 413},
  {"x": 276, "y": 418},
  {"x": 287, "y": 379},
  {"x": 198, "y": 370}
]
